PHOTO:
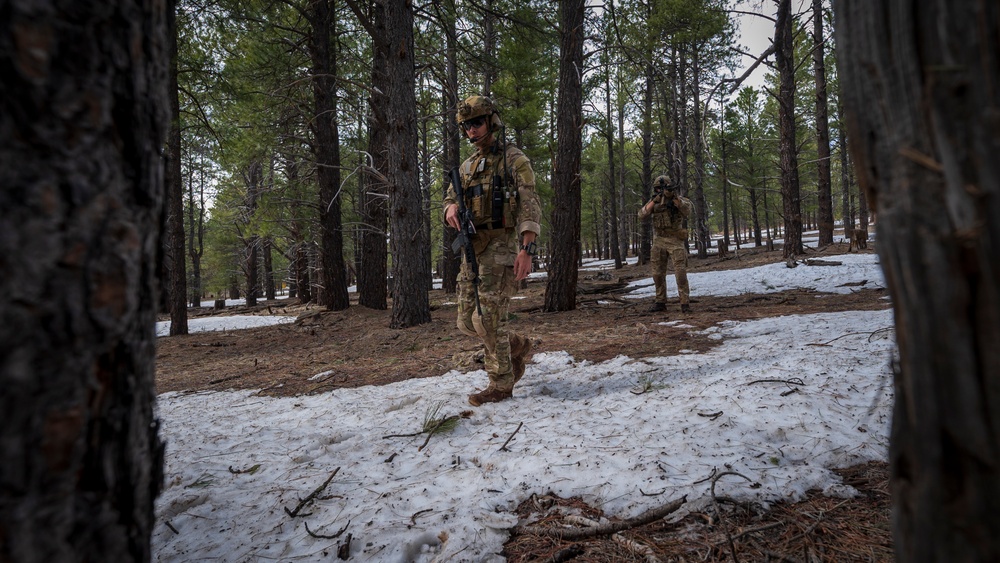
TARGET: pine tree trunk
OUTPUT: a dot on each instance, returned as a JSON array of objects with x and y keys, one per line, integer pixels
[
  {"x": 790, "y": 192},
  {"x": 195, "y": 240},
  {"x": 83, "y": 118},
  {"x": 373, "y": 272},
  {"x": 251, "y": 270},
  {"x": 452, "y": 260},
  {"x": 174, "y": 259},
  {"x": 921, "y": 101},
  {"x": 624, "y": 217},
  {"x": 560, "y": 293},
  {"x": 266, "y": 246},
  {"x": 845, "y": 186},
  {"x": 326, "y": 149},
  {"x": 612, "y": 208},
  {"x": 408, "y": 240},
  {"x": 823, "y": 185},
  {"x": 646, "y": 238},
  {"x": 702, "y": 234}
]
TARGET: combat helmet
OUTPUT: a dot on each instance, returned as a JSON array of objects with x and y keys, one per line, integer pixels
[
  {"x": 476, "y": 106},
  {"x": 661, "y": 183}
]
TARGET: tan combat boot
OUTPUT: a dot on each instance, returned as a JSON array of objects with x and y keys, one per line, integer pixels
[
  {"x": 489, "y": 395},
  {"x": 520, "y": 347}
]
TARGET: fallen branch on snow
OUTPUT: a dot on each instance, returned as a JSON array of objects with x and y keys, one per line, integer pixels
[
  {"x": 312, "y": 496},
  {"x": 607, "y": 529}
]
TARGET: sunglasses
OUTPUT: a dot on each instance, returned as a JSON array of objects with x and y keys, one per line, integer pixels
[{"x": 474, "y": 122}]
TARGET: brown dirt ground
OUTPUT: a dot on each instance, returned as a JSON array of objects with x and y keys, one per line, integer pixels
[{"x": 357, "y": 348}]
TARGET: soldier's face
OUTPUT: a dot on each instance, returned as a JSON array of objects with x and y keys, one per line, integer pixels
[{"x": 476, "y": 129}]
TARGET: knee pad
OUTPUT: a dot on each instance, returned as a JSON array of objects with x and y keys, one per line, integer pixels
[
  {"x": 477, "y": 323},
  {"x": 465, "y": 326}
]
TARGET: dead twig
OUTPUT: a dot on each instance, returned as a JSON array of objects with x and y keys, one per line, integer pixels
[
  {"x": 503, "y": 448},
  {"x": 711, "y": 415},
  {"x": 637, "y": 548},
  {"x": 325, "y": 537},
  {"x": 880, "y": 332},
  {"x": 822, "y": 515},
  {"x": 755, "y": 530},
  {"x": 344, "y": 549},
  {"x": 828, "y": 342},
  {"x": 563, "y": 555},
  {"x": 434, "y": 429},
  {"x": 413, "y": 519},
  {"x": 312, "y": 496},
  {"x": 251, "y": 470},
  {"x": 403, "y": 435},
  {"x": 709, "y": 478},
  {"x": 225, "y": 379},
  {"x": 631, "y": 545},
  {"x": 772, "y": 554},
  {"x": 792, "y": 381},
  {"x": 607, "y": 529},
  {"x": 715, "y": 502}
]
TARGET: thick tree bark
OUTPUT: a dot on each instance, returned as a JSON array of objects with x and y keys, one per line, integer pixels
[
  {"x": 175, "y": 260},
  {"x": 373, "y": 271},
  {"x": 407, "y": 238},
  {"x": 679, "y": 147},
  {"x": 612, "y": 209},
  {"x": 326, "y": 149},
  {"x": 489, "y": 49},
  {"x": 845, "y": 184},
  {"x": 83, "y": 118},
  {"x": 266, "y": 247},
  {"x": 195, "y": 241},
  {"x": 298, "y": 268},
  {"x": 625, "y": 219},
  {"x": 725, "y": 182},
  {"x": 823, "y": 185},
  {"x": 702, "y": 235},
  {"x": 253, "y": 178},
  {"x": 921, "y": 100},
  {"x": 790, "y": 192},
  {"x": 452, "y": 261},
  {"x": 560, "y": 293},
  {"x": 252, "y": 270},
  {"x": 646, "y": 236}
]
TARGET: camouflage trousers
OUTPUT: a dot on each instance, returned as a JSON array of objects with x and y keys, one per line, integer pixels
[
  {"x": 670, "y": 248},
  {"x": 495, "y": 253}
]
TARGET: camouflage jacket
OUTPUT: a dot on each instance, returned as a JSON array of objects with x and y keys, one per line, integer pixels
[
  {"x": 507, "y": 201},
  {"x": 669, "y": 220}
]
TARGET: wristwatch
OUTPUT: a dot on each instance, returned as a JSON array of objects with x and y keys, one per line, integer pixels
[{"x": 531, "y": 248}]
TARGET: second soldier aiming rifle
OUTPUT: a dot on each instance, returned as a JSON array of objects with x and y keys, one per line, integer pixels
[{"x": 466, "y": 228}]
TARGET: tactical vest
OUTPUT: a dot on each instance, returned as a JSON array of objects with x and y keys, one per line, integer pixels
[
  {"x": 668, "y": 222},
  {"x": 490, "y": 191}
]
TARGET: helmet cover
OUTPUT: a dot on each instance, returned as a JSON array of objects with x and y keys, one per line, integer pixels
[{"x": 473, "y": 107}]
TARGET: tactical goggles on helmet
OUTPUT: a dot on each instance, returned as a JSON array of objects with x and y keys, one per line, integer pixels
[{"x": 472, "y": 123}]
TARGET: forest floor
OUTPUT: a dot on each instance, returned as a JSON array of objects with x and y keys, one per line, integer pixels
[{"x": 356, "y": 347}]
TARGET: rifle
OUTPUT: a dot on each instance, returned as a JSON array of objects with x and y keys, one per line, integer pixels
[{"x": 466, "y": 228}]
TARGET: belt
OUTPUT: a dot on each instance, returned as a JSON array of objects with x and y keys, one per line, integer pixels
[{"x": 490, "y": 226}]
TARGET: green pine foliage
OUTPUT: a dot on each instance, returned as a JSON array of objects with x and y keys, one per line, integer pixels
[{"x": 247, "y": 97}]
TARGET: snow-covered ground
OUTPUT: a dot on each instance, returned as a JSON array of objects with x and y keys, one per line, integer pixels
[{"x": 781, "y": 401}]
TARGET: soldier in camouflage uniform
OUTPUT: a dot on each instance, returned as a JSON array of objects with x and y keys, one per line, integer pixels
[
  {"x": 499, "y": 188},
  {"x": 669, "y": 211}
]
